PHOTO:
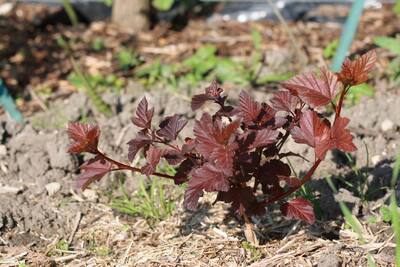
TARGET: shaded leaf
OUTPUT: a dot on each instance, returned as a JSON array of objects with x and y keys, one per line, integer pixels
[
  {"x": 243, "y": 200},
  {"x": 144, "y": 115},
  {"x": 299, "y": 208},
  {"x": 222, "y": 156},
  {"x": 139, "y": 142},
  {"x": 153, "y": 157},
  {"x": 340, "y": 137},
  {"x": 182, "y": 172},
  {"x": 93, "y": 170},
  {"x": 204, "y": 132},
  {"x": 268, "y": 176},
  {"x": 208, "y": 178},
  {"x": 356, "y": 71},
  {"x": 85, "y": 137},
  {"x": 171, "y": 127},
  {"x": 313, "y": 90},
  {"x": 212, "y": 92},
  {"x": 172, "y": 156},
  {"x": 264, "y": 137}
]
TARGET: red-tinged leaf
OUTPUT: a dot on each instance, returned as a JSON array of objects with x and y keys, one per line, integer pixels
[
  {"x": 171, "y": 127},
  {"x": 223, "y": 133},
  {"x": 208, "y": 178},
  {"x": 290, "y": 181},
  {"x": 284, "y": 101},
  {"x": 243, "y": 200},
  {"x": 139, "y": 142},
  {"x": 222, "y": 156},
  {"x": 182, "y": 172},
  {"x": 356, "y": 71},
  {"x": 248, "y": 109},
  {"x": 267, "y": 114},
  {"x": 93, "y": 170},
  {"x": 153, "y": 157},
  {"x": 313, "y": 132},
  {"x": 214, "y": 90},
  {"x": 264, "y": 138},
  {"x": 199, "y": 100},
  {"x": 340, "y": 137},
  {"x": 172, "y": 156},
  {"x": 84, "y": 137},
  {"x": 268, "y": 176},
  {"x": 313, "y": 90},
  {"x": 204, "y": 132},
  {"x": 144, "y": 115},
  {"x": 300, "y": 209}
]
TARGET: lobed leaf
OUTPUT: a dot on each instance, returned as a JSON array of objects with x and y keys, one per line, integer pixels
[
  {"x": 206, "y": 178},
  {"x": 153, "y": 157},
  {"x": 171, "y": 127},
  {"x": 85, "y": 137},
  {"x": 139, "y": 142},
  {"x": 93, "y": 170},
  {"x": 144, "y": 115},
  {"x": 212, "y": 92},
  {"x": 299, "y": 208},
  {"x": 313, "y": 132},
  {"x": 284, "y": 101},
  {"x": 356, "y": 72},
  {"x": 314, "y": 91},
  {"x": 248, "y": 109},
  {"x": 243, "y": 200},
  {"x": 264, "y": 137}
]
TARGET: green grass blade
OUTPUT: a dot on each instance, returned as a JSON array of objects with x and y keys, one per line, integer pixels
[
  {"x": 396, "y": 225},
  {"x": 396, "y": 172},
  {"x": 352, "y": 220},
  {"x": 70, "y": 12}
]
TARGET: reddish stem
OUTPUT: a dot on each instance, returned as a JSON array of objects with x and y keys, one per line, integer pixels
[
  {"x": 122, "y": 166},
  {"x": 340, "y": 103},
  {"x": 305, "y": 179}
]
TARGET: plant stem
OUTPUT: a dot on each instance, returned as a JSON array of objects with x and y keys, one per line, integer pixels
[
  {"x": 305, "y": 179},
  {"x": 340, "y": 103},
  {"x": 122, "y": 166}
]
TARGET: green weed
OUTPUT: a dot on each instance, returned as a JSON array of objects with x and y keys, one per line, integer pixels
[
  {"x": 393, "y": 45},
  {"x": 149, "y": 202},
  {"x": 255, "y": 254},
  {"x": 127, "y": 59}
]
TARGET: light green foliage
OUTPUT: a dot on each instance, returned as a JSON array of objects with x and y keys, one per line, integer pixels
[
  {"x": 394, "y": 209},
  {"x": 393, "y": 45},
  {"x": 99, "y": 82},
  {"x": 385, "y": 213},
  {"x": 156, "y": 72},
  {"x": 163, "y": 5},
  {"x": 108, "y": 2},
  {"x": 149, "y": 202},
  {"x": 98, "y": 44},
  {"x": 355, "y": 93},
  {"x": 62, "y": 245},
  {"x": 84, "y": 80},
  {"x": 69, "y": 9},
  {"x": 396, "y": 8},
  {"x": 330, "y": 49},
  {"x": 253, "y": 251},
  {"x": 127, "y": 59}
]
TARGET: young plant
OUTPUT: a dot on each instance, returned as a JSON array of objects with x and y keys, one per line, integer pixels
[{"x": 237, "y": 151}]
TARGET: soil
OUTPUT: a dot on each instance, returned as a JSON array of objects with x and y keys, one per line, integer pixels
[{"x": 40, "y": 204}]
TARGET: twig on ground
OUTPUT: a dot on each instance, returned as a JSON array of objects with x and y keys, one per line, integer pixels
[{"x": 75, "y": 227}]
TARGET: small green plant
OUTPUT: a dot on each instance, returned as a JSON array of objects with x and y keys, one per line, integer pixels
[
  {"x": 162, "y": 5},
  {"x": 90, "y": 88},
  {"x": 149, "y": 202},
  {"x": 98, "y": 44},
  {"x": 255, "y": 253},
  {"x": 394, "y": 213},
  {"x": 330, "y": 49},
  {"x": 127, "y": 59},
  {"x": 352, "y": 222},
  {"x": 69, "y": 9},
  {"x": 62, "y": 245},
  {"x": 357, "y": 92},
  {"x": 385, "y": 213}
]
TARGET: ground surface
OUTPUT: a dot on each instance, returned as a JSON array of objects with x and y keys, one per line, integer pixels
[{"x": 40, "y": 206}]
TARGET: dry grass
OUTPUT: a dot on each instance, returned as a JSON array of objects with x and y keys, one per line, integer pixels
[{"x": 209, "y": 237}]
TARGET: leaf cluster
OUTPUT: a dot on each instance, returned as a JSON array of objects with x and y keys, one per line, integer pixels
[{"x": 237, "y": 151}]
